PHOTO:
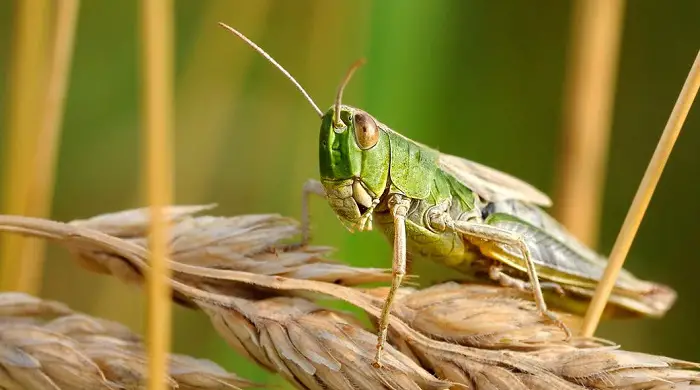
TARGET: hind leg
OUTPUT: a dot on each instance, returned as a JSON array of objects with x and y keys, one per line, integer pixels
[{"x": 494, "y": 234}]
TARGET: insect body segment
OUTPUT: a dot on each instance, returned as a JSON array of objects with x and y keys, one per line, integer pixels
[{"x": 354, "y": 179}]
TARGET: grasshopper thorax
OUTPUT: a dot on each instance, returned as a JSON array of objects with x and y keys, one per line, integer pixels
[{"x": 354, "y": 157}]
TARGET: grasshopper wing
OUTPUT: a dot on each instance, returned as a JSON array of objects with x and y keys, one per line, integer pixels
[
  {"x": 490, "y": 184},
  {"x": 561, "y": 258}
]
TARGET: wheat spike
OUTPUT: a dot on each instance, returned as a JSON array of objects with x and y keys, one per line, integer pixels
[
  {"x": 260, "y": 244},
  {"x": 259, "y": 289},
  {"x": 312, "y": 347},
  {"x": 46, "y": 345}
]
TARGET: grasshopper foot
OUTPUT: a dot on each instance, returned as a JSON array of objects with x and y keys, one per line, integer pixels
[
  {"x": 377, "y": 363},
  {"x": 553, "y": 318},
  {"x": 508, "y": 281}
]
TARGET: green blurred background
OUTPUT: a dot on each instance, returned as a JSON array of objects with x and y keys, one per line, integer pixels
[{"x": 479, "y": 79}]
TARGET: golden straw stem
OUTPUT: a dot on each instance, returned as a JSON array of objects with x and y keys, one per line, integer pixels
[
  {"x": 25, "y": 81},
  {"x": 642, "y": 198},
  {"x": 157, "y": 19},
  {"x": 48, "y": 140},
  {"x": 588, "y": 114}
]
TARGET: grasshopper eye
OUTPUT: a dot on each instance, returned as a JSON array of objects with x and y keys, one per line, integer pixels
[{"x": 366, "y": 131}]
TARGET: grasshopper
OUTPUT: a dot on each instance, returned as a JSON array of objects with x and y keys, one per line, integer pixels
[{"x": 475, "y": 219}]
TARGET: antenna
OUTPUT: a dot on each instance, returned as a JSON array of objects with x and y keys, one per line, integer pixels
[
  {"x": 273, "y": 62},
  {"x": 337, "y": 123}
]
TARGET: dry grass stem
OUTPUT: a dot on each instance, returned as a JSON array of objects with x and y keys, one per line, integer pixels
[
  {"x": 48, "y": 139},
  {"x": 25, "y": 81},
  {"x": 46, "y": 345},
  {"x": 588, "y": 112},
  {"x": 248, "y": 275},
  {"x": 157, "y": 34},
  {"x": 642, "y": 198}
]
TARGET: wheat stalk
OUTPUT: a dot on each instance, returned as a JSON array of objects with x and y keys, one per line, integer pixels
[
  {"x": 259, "y": 289},
  {"x": 46, "y": 345},
  {"x": 596, "y": 35}
]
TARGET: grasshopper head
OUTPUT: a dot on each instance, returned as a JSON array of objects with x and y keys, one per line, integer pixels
[
  {"x": 354, "y": 152},
  {"x": 354, "y": 157}
]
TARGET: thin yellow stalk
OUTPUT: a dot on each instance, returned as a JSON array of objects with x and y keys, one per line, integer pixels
[
  {"x": 25, "y": 81},
  {"x": 214, "y": 68},
  {"x": 642, "y": 198},
  {"x": 47, "y": 142},
  {"x": 157, "y": 19},
  {"x": 588, "y": 113}
]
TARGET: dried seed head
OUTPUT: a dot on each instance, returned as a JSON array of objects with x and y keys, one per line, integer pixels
[
  {"x": 135, "y": 222},
  {"x": 17, "y": 305},
  {"x": 315, "y": 348},
  {"x": 44, "y": 345},
  {"x": 611, "y": 368},
  {"x": 481, "y": 316},
  {"x": 260, "y": 244},
  {"x": 478, "y": 337}
]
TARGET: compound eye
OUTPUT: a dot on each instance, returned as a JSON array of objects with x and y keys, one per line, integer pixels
[{"x": 366, "y": 131}]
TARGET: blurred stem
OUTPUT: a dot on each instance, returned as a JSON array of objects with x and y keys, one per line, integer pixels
[
  {"x": 47, "y": 143},
  {"x": 590, "y": 92},
  {"x": 642, "y": 198},
  {"x": 208, "y": 96},
  {"x": 157, "y": 30},
  {"x": 25, "y": 81},
  {"x": 210, "y": 88}
]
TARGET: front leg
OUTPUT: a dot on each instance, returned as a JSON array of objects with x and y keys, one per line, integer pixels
[
  {"x": 398, "y": 206},
  {"x": 494, "y": 234},
  {"x": 315, "y": 187}
]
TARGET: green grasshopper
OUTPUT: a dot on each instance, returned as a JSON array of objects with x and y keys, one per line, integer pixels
[{"x": 470, "y": 217}]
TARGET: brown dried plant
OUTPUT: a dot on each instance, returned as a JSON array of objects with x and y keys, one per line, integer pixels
[
  {"x": 261, "y": 293},
  {"x": 46, "y": 345}
]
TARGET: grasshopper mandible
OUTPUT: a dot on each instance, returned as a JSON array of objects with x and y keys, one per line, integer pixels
[{"x": 470, "y": 217}]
